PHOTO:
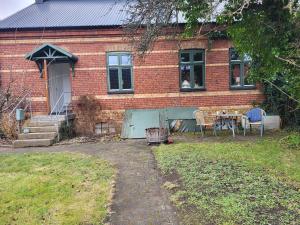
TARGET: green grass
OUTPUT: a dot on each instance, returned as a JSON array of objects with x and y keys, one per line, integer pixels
[
  {"x": 54, "y": 188},
  {"x": 233, "y": 182}
]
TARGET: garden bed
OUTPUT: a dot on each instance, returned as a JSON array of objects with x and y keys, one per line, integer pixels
[{"x": 5, "y": 142}]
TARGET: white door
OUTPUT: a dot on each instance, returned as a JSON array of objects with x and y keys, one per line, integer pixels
[{"x": 59, "y": 86}]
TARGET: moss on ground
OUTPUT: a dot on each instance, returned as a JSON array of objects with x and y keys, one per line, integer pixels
[{"x": 253, "y": 182}]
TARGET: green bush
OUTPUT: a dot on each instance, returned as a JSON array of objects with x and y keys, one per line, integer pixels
[
  {"x": 278, "y": 103},
  {"x": 67, "y": 130}
]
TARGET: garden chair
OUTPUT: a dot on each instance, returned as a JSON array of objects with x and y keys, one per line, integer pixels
[
  {"x": 254, "y": 117},
  {"x": 202, "y": 122}
]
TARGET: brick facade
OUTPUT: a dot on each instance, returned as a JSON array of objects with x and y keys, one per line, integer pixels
[{"x": 156, "y": 77}]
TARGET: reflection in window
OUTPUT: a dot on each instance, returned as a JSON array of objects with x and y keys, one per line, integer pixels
[
  {"x": 119, "y": 72},
  {"x": 239, "y": 69},
  {"x": 113, "y": 79},
  {"x": 186, "y": 76},
  {"x": 126, "y": 78},
  {"x": 198, "y": 56},
  {"x": 199, "y": 76},
  {"x": 126, "y": 60},
  {"x": 185, "y": 57},
  {"x": 113, "y": 60},
  {"x": 192, "y": 69},
  {"x": 247, "y": 81},
  {"x": 235, "y": 74}
]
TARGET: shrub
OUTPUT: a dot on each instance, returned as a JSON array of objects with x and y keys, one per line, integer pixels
[
  {"x": 67, "y": 130},
  {"x": 8, "y": 127},
  {"x": 86, "y": 112},
  {"x": 279, "y": 103}
]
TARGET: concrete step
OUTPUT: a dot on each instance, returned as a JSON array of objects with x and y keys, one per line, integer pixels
[
  {"x": 50, "y": 118},
  {"x": 42, "y": 123},
  {"x": 45, "y": 129},
  {"x": 45, "y": 135},
  {"x": 32, "y": 143}
]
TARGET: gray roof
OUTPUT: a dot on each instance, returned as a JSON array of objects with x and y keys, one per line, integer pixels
[{"x": 68, "y": 13}]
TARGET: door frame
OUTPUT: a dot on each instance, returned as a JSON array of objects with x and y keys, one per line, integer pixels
[{"x": 47, "y": 77}]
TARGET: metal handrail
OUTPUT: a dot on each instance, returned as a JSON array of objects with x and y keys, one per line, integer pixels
[
  {"x": 22, "y": 100},
  {"x": 56, "y": 104},
  {"x": 58, "y": 111}
]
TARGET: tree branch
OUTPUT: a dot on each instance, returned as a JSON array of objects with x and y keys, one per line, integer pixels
[{"x": 289, "y": 61}]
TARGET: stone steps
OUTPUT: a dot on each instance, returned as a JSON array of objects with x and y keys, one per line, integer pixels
[
  {"x": 45, "y": 135},
  {"x": 52, "y": 118},
  {"x": 39, "y": 131},
  {"x": 42, "y": 123},
  {"x": 44, "y": 129},
  {"x": 33, "y": 143},
  {"x": 48, "y": 117}
]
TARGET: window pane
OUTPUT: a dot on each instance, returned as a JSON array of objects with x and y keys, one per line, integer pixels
[
  {"x": 198, "y": 56},
  {"x": 185, "y": 76},
  {"x": 113, "y": 60},
  {"x": 185, "y": 57},
  {"x": 113, "y": 79},
  {"x": 246, "y": 72},
  {"x": 198, "y": 76},
  {"x": 234, "y": 55},
  {"x": 126, "y": 78},
  {"x": 126, "y": 60},
  {"x": 235, "y": 77}
]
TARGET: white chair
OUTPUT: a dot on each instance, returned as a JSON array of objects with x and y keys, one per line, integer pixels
[
  {"x": 202, "y": 122},
  {"x": 249, "y": 122}
]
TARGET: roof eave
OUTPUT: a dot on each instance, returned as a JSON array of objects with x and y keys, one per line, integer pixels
[
  {"x": 58, "y": 28},
  {"x": 68, "y": 55}
]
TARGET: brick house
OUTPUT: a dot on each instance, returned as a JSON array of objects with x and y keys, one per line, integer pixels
[{"x": 61, "y": 49}]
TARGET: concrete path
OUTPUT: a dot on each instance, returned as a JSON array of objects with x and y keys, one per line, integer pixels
[{"x": 139, "y": 197}]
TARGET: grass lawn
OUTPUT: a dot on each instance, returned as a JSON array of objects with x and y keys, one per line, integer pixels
[
  {"x": 255, "y": 182},
  {"x": 53, "y": 188}
]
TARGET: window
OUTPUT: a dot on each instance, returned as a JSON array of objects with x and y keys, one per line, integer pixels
[
  {"x": 119, "y": 70},
  {"x": 239, "y": 67},
  {"x": 192, "y": 70}
]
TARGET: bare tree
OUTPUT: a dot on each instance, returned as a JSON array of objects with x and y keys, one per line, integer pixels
[
  {"x": 148, "y": 19},
  {"x": 7, "y": 100}
]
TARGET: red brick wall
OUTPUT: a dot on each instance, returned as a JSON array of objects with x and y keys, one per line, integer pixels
[{"x": 151, "y": 85}]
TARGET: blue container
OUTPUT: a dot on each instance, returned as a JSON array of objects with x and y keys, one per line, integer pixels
[{"x": 20, "y": 115}]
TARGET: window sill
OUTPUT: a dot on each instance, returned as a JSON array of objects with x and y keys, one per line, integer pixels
[
  {"x": 120, "y": 92},
  {"x": 242, "y": 88},
  {"x": 192, "y": 89}
]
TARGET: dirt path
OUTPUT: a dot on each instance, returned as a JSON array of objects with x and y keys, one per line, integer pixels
[{"x": 139, "y": 197}]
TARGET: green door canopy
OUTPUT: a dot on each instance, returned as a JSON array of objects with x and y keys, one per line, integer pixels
[
  {"x": 52, "y": 54},
  {"x": 136, "y": 121}
]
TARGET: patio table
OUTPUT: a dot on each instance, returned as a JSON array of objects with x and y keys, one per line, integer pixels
[{"x": 227, "y": 119}]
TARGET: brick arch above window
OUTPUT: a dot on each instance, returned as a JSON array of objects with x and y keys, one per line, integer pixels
[
  {"x": 198, "y": 44},
  {"x": 126, "y": 47}
]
